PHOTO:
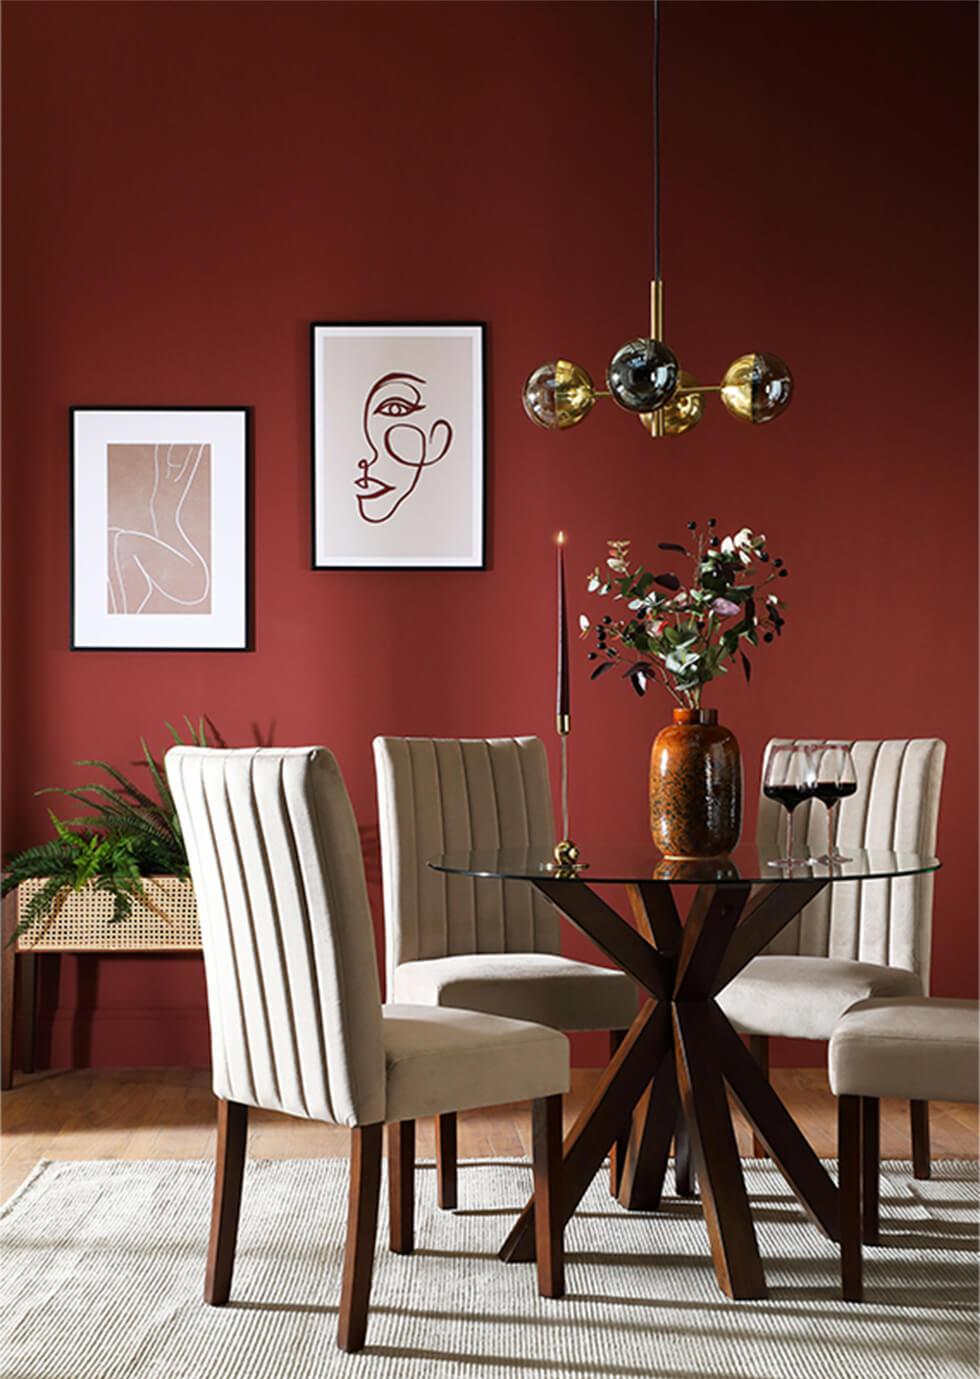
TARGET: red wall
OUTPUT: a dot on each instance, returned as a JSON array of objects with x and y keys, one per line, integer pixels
[{"x": 188, "y": 185}]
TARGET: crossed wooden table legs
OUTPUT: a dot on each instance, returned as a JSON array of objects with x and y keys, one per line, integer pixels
[{"x": 678, "y": 1055}]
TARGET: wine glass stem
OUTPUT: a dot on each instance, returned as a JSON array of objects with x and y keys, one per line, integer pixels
[
  {"x": 830, "y": 830},
  {"x": 789, "y": 835}
]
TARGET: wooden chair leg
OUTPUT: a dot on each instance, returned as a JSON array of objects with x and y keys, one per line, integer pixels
[
  {"x": 546, "y": 1130},
  {"x": 685, "y": 1179},
  {"x": 401, "y": 1187},
  {"x": 870, "y": 1157},
  {"x": 849, "y": 1176},
  {"x": 919, "y": 1111},
  {"x": 446, "y": 1183},
  {"x": 617, "y": 1154},
  {"x": 362, "y": 1225},
  {"x": 759, "y": 1049},
  {"x": 229, "y": 1169}
]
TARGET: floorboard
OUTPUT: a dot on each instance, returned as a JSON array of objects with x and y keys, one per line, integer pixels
[{"x": 168, "y": 1113}]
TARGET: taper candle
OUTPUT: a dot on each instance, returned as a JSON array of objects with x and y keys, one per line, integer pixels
[{"x": 562, "y": 706}]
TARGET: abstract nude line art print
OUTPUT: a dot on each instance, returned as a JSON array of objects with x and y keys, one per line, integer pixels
[
  {"x": 159, "y": 541},
  {"x": 160, "y": 537},
  {"x": 398, "y": 446}
]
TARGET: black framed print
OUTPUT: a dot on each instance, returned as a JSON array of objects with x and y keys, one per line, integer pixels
[
  {"x": 399, "y": 446},
  {"x": 160, "y": 538}
]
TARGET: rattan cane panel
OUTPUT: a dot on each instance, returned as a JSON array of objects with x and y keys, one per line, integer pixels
[{"x": 84, "y": 922}]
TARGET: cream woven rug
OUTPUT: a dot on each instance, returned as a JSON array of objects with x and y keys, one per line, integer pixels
[{"x": 103, "y": 1267}]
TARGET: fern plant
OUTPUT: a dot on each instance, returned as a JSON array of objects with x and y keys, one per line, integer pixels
[{"x": 128, "y": 834}]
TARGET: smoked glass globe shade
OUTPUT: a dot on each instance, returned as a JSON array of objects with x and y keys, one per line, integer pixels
[{"x": 642, "y": 375}]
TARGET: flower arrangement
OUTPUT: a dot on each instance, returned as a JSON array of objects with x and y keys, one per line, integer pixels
[{"x": 685, "y": 635}]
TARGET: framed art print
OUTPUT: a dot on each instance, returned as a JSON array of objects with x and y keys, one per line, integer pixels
[
  {"x": 159, "y": 529},
  {"x": 399, "y": 465}
]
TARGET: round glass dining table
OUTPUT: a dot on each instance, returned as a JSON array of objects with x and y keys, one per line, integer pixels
[{"x": 671, "y": 1071}]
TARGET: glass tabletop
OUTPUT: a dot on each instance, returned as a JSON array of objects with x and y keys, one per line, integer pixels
[{"x": 617, "y": 864}]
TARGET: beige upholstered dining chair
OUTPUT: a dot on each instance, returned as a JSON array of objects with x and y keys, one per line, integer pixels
[
  {"x": 296, "y": 1018},
  {"x": 484, "y": 945},
  {"x": 916, "y": 1047},
  {"x": 856, "y": 941}
]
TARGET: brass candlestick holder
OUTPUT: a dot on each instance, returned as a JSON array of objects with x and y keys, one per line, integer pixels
[{"x": 566, "y": 852}]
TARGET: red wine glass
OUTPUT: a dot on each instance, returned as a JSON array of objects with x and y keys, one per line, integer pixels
[
  {"x": 790, "y": 777},
  {"x": 836, "y": 781}
]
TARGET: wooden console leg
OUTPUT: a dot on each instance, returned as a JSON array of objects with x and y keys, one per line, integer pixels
[
  {"x": 229, "y": 1169},
  {"x": 8, "y": 960},
  {"x": 870, "y": 1168},
  {"x": 362, "y": 1224},
  {"x": 26, "y": 1001}
]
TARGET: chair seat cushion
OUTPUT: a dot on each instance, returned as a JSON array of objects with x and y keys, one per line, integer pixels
[
  {"x": 452, "y": 1060},
  {"x": 921, "y": 1048},
  {"x": 542, "y": 987},
  {"x": 803, "y": 998}
]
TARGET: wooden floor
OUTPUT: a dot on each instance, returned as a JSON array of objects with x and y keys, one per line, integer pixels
[{"x": 168, "y": 1113}]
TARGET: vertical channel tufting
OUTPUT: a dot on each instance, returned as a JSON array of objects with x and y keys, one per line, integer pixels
[
  {"x": 541, "y": 833},
  {"x": 457, "y": 890},
  {"x": 238, "y": 1049},
  {"x": 485, "y": 794},
  {"x": 467, "y": 817},
  {"x": 433, "y": 924},
  {"x": 236, "y": 841},
  {"x": 286, "y": 930},
  {"x": 895, "y": 807}
]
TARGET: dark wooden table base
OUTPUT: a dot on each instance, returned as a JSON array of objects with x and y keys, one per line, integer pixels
[{"x": 675, "y": 1063}]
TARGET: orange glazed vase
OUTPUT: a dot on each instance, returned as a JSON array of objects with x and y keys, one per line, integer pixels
[{"x": 695, "y": 787}]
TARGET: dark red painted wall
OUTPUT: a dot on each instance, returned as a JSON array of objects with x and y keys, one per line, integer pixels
[{"x": 186, "y": 186}]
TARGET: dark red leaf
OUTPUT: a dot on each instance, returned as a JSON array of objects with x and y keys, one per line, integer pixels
[
  {"x": 672, "y": 546},
  {"x": 667, "y": 581},
  {"x": 599, "y": 670},
  {"x": 746, "y": 666}
]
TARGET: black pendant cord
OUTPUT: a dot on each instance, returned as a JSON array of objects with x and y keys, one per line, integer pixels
[{"x": 656, "y": 140}]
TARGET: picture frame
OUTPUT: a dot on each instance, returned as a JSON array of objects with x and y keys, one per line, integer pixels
[
  {"x": 160, "y": 528},
  {"x": 398, "y": 445}
]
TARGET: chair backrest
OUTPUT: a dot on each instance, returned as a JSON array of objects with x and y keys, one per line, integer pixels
[
  {"x": 896, "y": 807},
  {"x": 457, "y": 795},
  {"x": 292, "y": 978}
]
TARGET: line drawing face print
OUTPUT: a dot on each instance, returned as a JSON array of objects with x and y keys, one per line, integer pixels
[
  {"x": 400, "y": 445},
  {"x": 158, "y": 500}
]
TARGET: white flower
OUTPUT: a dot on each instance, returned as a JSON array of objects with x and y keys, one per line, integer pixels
[
  {"x": 618, "y": 565},
  {"x": 583, "y": 624}
]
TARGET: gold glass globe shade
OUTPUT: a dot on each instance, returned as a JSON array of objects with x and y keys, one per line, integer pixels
[
  {"x": 683, "y": 411},
  {"x": 558, "y": 394},
  {"x": 757, "y": 388}
]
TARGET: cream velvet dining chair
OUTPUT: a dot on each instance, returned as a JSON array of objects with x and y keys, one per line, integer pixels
[
  {"x": 484, "y": 945},
  {"x": 296, "y": 1019},
  {"x": 857, "y": 941}
]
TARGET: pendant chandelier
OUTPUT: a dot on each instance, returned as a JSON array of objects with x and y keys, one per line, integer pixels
[{"x": 643, "y": 376}]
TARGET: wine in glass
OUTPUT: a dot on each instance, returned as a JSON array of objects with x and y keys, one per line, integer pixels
[
  {"x": 836, "y": 781},
  {"x": 790, "y": 778}
]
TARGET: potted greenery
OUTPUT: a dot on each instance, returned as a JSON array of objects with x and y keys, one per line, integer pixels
[
  {"x": 122, "y": 861},
  {"x": 683, "y": 635}
]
